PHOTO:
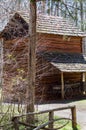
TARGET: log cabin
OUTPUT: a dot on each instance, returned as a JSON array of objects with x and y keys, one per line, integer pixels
[{"x": 60, "y": 58}]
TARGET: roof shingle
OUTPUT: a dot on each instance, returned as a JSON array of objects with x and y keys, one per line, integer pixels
[
  {"x": 57, "y": 25},
  {"x": 54, "y": 25},
  {"x": 66, "y": 62}
]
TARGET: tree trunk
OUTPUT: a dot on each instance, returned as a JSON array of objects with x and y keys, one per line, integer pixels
[
  {"x": 76, "y": 13},
  {"x": 1, "y": 62},
  {"x": 31, "y": 61},
  {"x": 43, "y": 6},
  {"x": 82, "y": 15}
]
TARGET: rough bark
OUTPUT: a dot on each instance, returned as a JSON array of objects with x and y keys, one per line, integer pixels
[
  {"x": 1, "y": 62},
  {"x": 31, "y": 61}
]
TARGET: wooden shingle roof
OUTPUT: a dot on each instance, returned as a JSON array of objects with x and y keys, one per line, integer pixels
[
  {"x": 45, "y": 24},
  {"x": 66, "y": 62},
  {"x": 55, "y": 25},
  {"x": 16, "y": 27}
]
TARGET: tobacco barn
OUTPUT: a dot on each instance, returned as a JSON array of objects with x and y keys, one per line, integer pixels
[{"x": 61, "y": 61}]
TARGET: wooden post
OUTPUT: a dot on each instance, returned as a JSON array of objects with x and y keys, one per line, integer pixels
[
  {"x": 83, "y": 78},
  {"x": 84, "y": 82},
  {"x": 62, "y": 85},
  {"x": 74, "y": 122},
  {"x": 15, "y": 123},
  {"x": 51, "y": 117}
]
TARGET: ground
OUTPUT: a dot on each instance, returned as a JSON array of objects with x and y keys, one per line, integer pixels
[{"x": 80, "y": 108}]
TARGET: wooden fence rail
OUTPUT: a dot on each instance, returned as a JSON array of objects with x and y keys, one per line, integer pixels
[{"x": 51, "y": 121}]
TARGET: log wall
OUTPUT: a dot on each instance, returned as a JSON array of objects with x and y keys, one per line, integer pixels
[
  {"x": 58, "y": 43},
  {"x": 16, "y": 59},
  {"x": 49, "y": 77},
  {"x": 15, "y": 69}
]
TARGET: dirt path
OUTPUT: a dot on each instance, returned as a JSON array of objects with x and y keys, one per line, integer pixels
[{"x": 80, "y": 107}]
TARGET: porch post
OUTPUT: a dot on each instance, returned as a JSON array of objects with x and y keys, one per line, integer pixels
[
  {"x": 84, "y": 73},
  {"x": 84, "y": 82},
  {"x": 62, "y": 85}
]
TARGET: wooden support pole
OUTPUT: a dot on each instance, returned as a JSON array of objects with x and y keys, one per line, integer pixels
[
  {"x": 85, "y": 85},
  {"x": 51, "y": 117},
  {"x": 83, "y": 77},
  {"x": 74, "y": 122},
  {"x": 84, "y": 82},
  {"x": 15, "y": 123},
  {"x": 62, "y": 85}
]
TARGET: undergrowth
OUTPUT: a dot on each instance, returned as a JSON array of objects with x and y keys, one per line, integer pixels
[{"x": 10, "y": 111}]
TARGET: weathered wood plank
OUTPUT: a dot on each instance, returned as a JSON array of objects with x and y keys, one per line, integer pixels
[
  {"x": 51, "y": 117},
  {"x": 62, "y": 85},
  {"x": 74, "y": 122}
]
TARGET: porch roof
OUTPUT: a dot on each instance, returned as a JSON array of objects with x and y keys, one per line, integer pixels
[{"x": 67, "y": 62}]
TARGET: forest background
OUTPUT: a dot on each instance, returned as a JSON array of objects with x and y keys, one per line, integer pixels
[{"x": 72, "y": 9}]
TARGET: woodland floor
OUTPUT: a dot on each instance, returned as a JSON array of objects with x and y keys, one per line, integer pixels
[{"x": 80, "y": 109}]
